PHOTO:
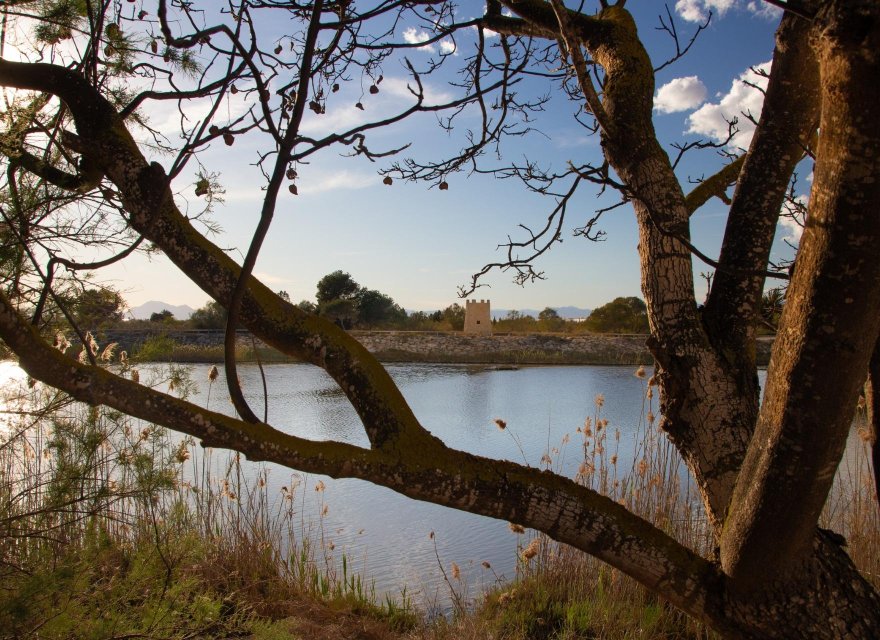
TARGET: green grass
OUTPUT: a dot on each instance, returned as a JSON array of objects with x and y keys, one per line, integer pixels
[
  {"x": 104, "y": 535},
  {"x": 165, "y": 349}
]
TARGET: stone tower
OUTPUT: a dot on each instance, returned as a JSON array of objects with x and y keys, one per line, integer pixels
[{"x": 477, "y": 318}]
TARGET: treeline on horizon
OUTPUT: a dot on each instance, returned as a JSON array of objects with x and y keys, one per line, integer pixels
[{"x": 340, "y": 298}]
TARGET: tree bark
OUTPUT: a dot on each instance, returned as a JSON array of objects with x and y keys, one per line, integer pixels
[
  {"x": 789, "y": 118},
  {"x": 803, "y": 586},
  {"x": 830, "y": 323},
  {"x": 872, "y": 406}
]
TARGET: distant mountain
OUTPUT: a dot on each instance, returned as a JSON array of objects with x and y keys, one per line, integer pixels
[
  {"x": 145, "y": 310},
  {"x": 564, "y": 312}
]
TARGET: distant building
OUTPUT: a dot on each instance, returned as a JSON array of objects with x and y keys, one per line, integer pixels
[{"x": 477, "y": 317}]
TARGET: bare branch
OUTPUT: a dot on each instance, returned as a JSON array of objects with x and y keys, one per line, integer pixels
[{"x": 668, "y": 25}]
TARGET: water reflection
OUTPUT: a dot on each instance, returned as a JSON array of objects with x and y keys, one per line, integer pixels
[{"x": 387, "y": 534}]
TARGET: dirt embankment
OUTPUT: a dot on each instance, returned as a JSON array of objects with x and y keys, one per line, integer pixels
[{"x": 433, "y": 346}]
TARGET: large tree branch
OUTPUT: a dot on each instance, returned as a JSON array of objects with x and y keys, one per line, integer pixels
[
  {"x": 698, "y": 392},
  {"x": 565, "y": 510},
  {"x": 788, "y": 119},
  {"x": 830, "y": 322},
  {"x": 52, "y": 174},
  {"x": 715, "y": 185},
  {"x": 536, "y": 18},
  {"x": 872, "y": 405}
]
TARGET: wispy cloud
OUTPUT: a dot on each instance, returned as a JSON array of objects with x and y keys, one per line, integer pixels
[
  {"x": 572, "y": 140},
  {"x": 411, "y": 35},
  {"x": 680, "y": 94},
  {"x": 394, "y": 97},
  {"x": 400, "y": 88},
  {"x": 764, "y": 10},
  {"x": 338, "y": 119},
  {"x": 338, "y": 181},
  {"x": 308, "y": 185},
  {"x": 711, "y": 120},
  {"x": 698, "y": 10},
  {"x": 268, "y": 278},
  {"x": 791, "y": 222}
]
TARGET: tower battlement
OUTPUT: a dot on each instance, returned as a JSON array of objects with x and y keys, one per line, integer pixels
[{"x": 477, "y": 317}]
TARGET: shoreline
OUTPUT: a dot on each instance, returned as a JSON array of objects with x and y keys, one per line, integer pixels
[{"x": 410, "y": 346}]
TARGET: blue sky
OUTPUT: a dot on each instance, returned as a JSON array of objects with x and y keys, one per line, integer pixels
[{"x": 418, "y": 244}]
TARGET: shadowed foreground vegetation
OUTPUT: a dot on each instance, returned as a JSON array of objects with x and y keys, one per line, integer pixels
[{"x": 110, "y": 528}]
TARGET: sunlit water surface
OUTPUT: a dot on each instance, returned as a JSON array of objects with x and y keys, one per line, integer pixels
[{"x": 386, "y": 536}]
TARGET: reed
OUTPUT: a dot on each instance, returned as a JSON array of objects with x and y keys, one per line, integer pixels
[
  {"x": 114, "y": 528},
  {"x": 562, "y": 593}
]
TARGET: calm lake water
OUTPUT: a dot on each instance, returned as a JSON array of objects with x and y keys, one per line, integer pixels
[
  {"x": 388, "y": 536},
  {"x": 385, "y": 536}
]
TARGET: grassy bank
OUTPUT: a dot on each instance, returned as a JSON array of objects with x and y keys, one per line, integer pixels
[
  {"x": 163, "y": 348},
  {"x": 108, "y": 529}
]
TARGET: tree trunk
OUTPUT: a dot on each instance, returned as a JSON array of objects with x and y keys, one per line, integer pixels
[
  {"x": 830, "y": 323},
  {"x": 778, "y": 577},
  {"x": 872, "y": 406}
]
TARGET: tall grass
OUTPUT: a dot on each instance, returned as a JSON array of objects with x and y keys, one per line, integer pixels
[
  {"x": 562, "y": 593},
  {"x": 113, "y": 528}
]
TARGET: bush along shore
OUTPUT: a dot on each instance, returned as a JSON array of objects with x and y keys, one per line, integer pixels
[
  {"x": 113, "y": 528},
  {"x": 409, "y": 346}
]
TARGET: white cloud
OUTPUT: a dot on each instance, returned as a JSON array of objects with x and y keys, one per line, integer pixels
[
  {"x": 337, "y": 119},
  {"x": 268, "y": 278},
  {"x": 792, "y": 227},
  {"x": 393, "y": 97},
  {"x": 680, "y": 94},
  {"x": 572, "y": 140},
  {"x": 338, "y": 181},
  {"x": 698, "y": 10},
  {"x": 447, "y": 47},
  {"x": 411, "y": 35},
  {"x": 307, "y": 185},
  {"x": 711, "y": 119},
  {"x": 764, "y": 10},
  {"x": 398, "y": 87}
]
